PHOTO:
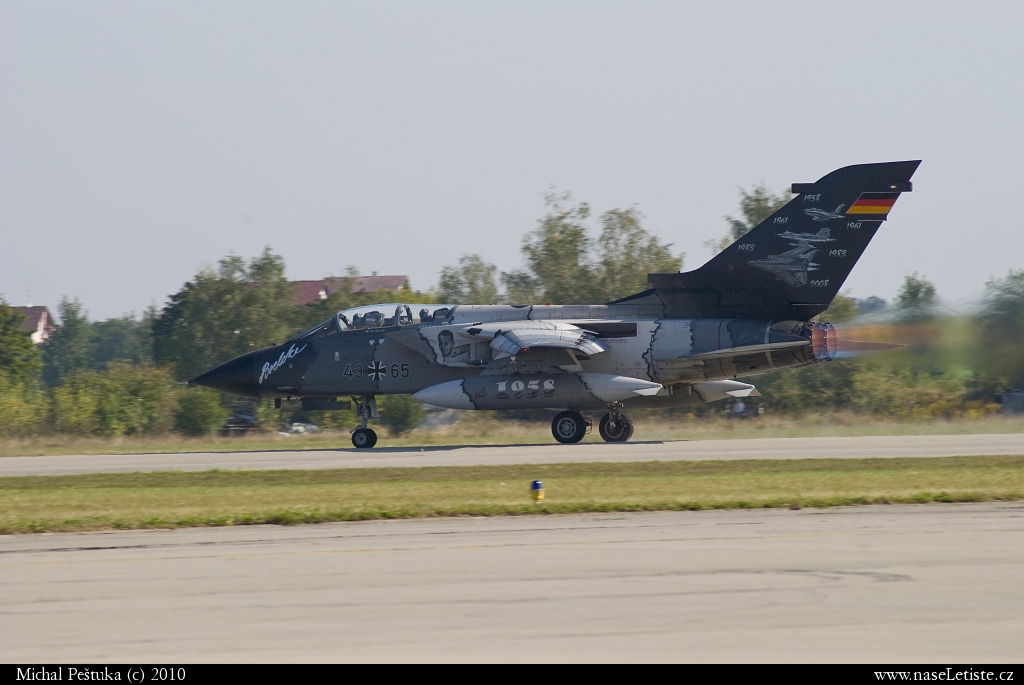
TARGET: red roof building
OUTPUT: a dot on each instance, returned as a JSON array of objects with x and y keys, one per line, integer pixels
[
  {"x": 38, "y": 321},
  {"x": 307, "y": 292},
  {"x": 367, "y": 284},
  {"x": 311, "y": 291}
]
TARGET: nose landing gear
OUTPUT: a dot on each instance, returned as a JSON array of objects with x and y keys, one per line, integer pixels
[{"x": 366, "y": 407}]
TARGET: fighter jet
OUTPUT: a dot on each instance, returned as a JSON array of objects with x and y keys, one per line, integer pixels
[
  {"x": 790, "y": 267},
  {"x": 685, "y": 340},
  {"x": 821, "y": 236},
  {"x": 822, "y": 215}
]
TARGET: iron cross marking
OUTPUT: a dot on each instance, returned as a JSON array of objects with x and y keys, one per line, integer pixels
[{"x": 377, "y": 370}]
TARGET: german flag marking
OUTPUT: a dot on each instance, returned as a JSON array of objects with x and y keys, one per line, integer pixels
[{"x": 873, "y": 203}]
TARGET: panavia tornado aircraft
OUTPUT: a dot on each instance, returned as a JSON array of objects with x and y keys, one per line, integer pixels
[{"x": 683, "y": 341}]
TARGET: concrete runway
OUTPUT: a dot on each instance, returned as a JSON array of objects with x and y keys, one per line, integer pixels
[
  {"x": 760, "y": 448},
  {"x": 931, "y": 583}
]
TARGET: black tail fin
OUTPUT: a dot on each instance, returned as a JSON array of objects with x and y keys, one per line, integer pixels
[{"x": 791, "y": 265}]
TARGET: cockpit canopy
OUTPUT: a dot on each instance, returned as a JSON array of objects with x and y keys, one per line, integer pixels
[
  {"x": 378, "y": 316},
  {"x": 389, "y": 315}
]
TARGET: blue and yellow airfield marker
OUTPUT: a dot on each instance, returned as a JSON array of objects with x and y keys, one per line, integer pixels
[{"x": 537, "y": 491}]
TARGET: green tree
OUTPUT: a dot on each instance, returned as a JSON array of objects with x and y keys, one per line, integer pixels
[
  {"x": 24, "y": 407},
  {"x": 841, "y": 309},
  {"x": 557, "y": 257},
  {"x": 916, "y": 291},
  {"x": 223, "y": 313},
  {"x": 200, "y": 412},
  {"x": 521, "y": 287},
  {"x": 906, "y": 393},
  {"x": 916, "y": 300},
  {"x": 399, "y": 413},
  {"x": 471, "y": 282},
  {"x": 72, "y": 345},
  {"x": 755, "y": 206},
  {"x": 627, "y": 253},
  {"x": 124, "y": 338},
  {"x": 19, "y": 358},
  {"x": 126, "y": 399},
  {"x": 815, "y": 388},
  {"x": 870, "y": 305},
  {"x": 561, "y": 264},
  {"x": 1002, "y": 329}
]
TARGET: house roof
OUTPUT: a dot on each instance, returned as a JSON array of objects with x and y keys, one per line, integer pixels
[
  {"x": 38, "y": 322},
  {"x": 367, "y": 284},
  {"x": 307, "y": 292},
  {"x": 33, "y": 316}
]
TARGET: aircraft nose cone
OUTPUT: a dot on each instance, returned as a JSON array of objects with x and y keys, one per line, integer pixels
[{"x": 237, "y": 377}]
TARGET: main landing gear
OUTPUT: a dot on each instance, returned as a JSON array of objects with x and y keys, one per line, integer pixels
[
  {"x": 570, "y": 426},
  {"x": 364, "y": 437},
  {"x": 366, "y": 408},
  {"x": 615, "y": 427}
]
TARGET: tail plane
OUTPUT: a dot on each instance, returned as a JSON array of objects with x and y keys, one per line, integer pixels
[{"x": 790, "y": 266}]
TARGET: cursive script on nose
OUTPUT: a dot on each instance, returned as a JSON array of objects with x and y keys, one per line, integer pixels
[{"x": 270, "y": 368}]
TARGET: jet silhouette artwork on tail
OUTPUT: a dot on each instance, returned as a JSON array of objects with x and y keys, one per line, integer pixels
[
  {"x": 685, "y": 340},
  {"x": 790, "y": 267},
  {"x": 822, "y": 236},
  {"x": 822, "y": 215}
]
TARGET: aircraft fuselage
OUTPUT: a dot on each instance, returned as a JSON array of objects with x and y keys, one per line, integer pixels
[{"x": 408, "y": 358}]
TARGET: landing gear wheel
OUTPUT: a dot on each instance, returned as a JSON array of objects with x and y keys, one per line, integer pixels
[
  {"x": 364, "y": 437},
  {"x": 569, "y": 427},
  {"x": 615, "y": 428}
]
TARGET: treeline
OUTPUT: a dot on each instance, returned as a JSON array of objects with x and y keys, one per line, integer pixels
[
  {"x": 565, "y": 263},
  {"x": 123, "y": 376},
  {"x": 943, "y": 373}
]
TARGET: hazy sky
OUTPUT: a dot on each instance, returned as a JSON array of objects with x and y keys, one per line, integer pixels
[{"x": 142, "y": 140}]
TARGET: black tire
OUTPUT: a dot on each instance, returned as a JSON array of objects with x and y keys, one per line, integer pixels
[
  {"x": 615, "y": 431},
  {"x": 364, "y": 438},
  {"x": 569, "y": 427}
]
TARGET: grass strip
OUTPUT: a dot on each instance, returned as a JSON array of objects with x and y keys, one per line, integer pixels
[
  {"x": 217, "y": 498},
  {"x": 482, "y": 428}
]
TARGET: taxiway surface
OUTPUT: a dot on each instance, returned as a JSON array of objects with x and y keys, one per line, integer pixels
[
  {"x": 757, "y": 448},
  {"x": 931, "y": 583}
]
